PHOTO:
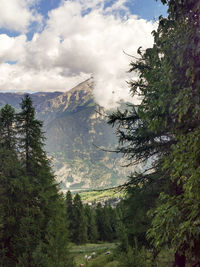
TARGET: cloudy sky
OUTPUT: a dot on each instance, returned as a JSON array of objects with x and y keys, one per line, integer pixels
[{"x": 52, "y": 45}]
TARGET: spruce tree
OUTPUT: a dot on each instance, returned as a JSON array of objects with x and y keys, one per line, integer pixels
[
  {"x": 13, "y": 184},
  {"x": 31, "y": 138},
  {"x": 114, "y": 221},
  {"x": 80, "y": 223},
  {"x": 103, "y": 223},
  {"x": 92, "y": 232},
  {"x": 44, "y": 227},
  {"x": 70, "y": 214},
  {"x": 33, "y": 227},
  {"x": 107, "y": 233}
]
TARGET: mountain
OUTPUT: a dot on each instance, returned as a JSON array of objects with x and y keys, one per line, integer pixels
[
  {"x": 14, "y": 99},
  {"x": 75, "y": 127}
]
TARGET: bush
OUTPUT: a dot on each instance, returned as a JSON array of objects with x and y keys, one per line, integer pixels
[{"x": 136, "y": 257}]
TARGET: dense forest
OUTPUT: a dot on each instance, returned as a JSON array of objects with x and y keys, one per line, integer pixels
[
  {"x": 161, "y": 211},
  {"x": 91, "y": 224}
]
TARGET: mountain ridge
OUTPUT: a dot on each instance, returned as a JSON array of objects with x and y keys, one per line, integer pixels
[{"x": 73, "y": 125}]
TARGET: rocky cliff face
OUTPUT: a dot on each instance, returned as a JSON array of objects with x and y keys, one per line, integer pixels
[{"x": 75, "y": 126}]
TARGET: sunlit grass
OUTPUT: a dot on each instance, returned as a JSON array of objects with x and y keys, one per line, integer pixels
[
  {"x": 94, "y": 196},
  {"x": 100, "y": 259}
]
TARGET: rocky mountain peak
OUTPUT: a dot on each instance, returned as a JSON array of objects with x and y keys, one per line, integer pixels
[
  {"x": 86, "y": 86},
  {"x": 69, "y": 101},
  {"x": 74, "y": 130}
]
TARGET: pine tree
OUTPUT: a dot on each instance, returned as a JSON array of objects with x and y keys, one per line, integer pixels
[
  {"x": 80, "y": 223},
  {"x": 103, "y": 223},
  {"x": 92, "y": 232},
  {"x": 70, "y": 214},
  {"x": 13, "y": 184},
  {"x": 114, "y": 221},
  {"x": 33, "y": 228},
  {"x": 43, "y": 223},
  {"x": 7, "y": 130},
  {"x": 31, "y": 138}
]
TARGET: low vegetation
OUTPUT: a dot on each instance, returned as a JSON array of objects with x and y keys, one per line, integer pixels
[
  {"x": 102, "y": 195},
  {"x": 96, "y": 251}
]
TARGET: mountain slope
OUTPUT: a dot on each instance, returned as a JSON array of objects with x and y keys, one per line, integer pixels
[{"x": 74, "y": 129}]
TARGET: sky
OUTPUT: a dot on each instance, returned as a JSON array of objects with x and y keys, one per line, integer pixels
[{"x": 52, "y": 45}]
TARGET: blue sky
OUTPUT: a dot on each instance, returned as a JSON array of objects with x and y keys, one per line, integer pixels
[
  {"x": 48, "y": 45},
  {"x": 146, "y": 9}
]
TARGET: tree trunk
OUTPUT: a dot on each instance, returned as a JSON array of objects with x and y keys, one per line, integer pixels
[{"x": 179, "y": 260}]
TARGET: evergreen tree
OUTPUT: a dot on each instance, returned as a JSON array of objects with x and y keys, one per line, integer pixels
[
  {"x": 103, "y": 223},
  {"x": 164, "y": 128},
  {"x": 140, "y": 198},
  {"x": 56, "y": 247},
  {"x": 99, "y": 220},
  {"x": 92, "y": 232},
  {"x": 123, "y": 238},
  {"x": 80, "y": 223},
  {"x": 7, "y": 130},
  {"x": 107, "y": 233},
  {"x": 114, "y": 222},
  {"x": 13, "y": 184},
  {"x": 33, "y": 229},
  {"x": 31, "y": 138},
  {"x": 44, "y": 221},
  {"x": 70, "y": 214}
]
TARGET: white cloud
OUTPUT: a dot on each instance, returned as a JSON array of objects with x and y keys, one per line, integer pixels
[
  {"x": 17, "y": 78},
  {"x": 73, "y": 46},
  {"x": 12, "y": 48},
  {"x": 16, "y": 15}
]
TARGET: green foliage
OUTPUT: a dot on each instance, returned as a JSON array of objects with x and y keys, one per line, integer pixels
[
  {"x": 136, "y": 258},
  {"x": 103, "y": 260},
  {"x": 80, "y": 223},
  {"x": 164, "y": 129},
  {"x": 92, "y": 231},
  {"x": 70, "y": 214},
  {"x": 79, "y": 251},
  {"x": 140, "y": 198},
  {"x": 33, "y": 229},
  {"x": 91, "y": 223},
  {"x": 103, "y": 223},
  {"x": 123, "y": 238},
  {"x": 99, "y": 195},
  {"x": 7, "y": 131}
]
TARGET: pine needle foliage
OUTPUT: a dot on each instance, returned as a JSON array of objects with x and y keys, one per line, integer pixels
[
  {"x": 33, "y": 227},
  {"x": 163, "y": 129}
]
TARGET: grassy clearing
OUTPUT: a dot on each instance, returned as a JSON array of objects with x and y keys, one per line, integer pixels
[
  {"x": 103, "y": 260},
  {"x": 165, "y": 257},
  {"x": 100, "y": 258},
  {"x": 95, "y": 196}
]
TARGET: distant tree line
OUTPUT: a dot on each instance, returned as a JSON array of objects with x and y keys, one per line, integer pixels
[
  {"x": 91, "y": 223},
  {"x": 33, "y": 226}
]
